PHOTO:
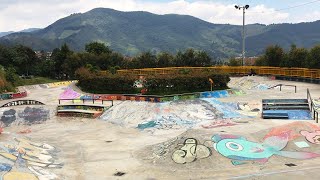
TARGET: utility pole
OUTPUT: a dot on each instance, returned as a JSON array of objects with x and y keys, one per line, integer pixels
[{"x": 243, "y": 30}]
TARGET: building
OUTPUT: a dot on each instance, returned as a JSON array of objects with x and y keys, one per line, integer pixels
[
  {"x": 44, "y": 55},
  {"x": 248, "y": 61}
]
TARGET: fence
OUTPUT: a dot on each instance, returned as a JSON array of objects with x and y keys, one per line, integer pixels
[{"x": 259, "y": 70}]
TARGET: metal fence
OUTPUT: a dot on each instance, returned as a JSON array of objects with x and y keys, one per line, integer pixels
[{"x": 241, "y": 70}]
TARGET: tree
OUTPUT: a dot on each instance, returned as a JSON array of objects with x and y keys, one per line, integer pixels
[
  {"x": 313, "y": 59},
  {"x": 11, "y": 76},
  {"x": 202, "y": 59},
  {"x": 59, "y": 56},
  {"x": 72, "y": 63},
  {"x": 97, "y": 48},
  {"x": 296, "y": 57},
  {"x": 274, "y": 55},
  {"x": 164, "y": 59},
  {"x": 179, "y": 59},
  {"x": 144, "y": 60},
  {"x": 235, "y": 62},
  {"x": 261, "y": 61},
  {"x": 24, "y": 60},
  {"x": 5, "y": 55},
  {"x": 47, "y": 68}
]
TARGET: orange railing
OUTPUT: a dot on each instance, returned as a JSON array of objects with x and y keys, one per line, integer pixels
[{"x": 259, "y": 70}]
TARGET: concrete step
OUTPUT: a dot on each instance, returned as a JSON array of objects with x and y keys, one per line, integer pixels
[
  {"x": 275, "y": 115},
  {"x": 291, "y": 107}
]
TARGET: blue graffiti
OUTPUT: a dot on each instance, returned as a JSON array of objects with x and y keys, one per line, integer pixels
[
  {"x": 228, "y": 109},
  {"x": 5, "y": 167}
]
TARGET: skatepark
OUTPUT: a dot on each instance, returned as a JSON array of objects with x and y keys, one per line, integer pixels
[{"x": 213, "y": 137}]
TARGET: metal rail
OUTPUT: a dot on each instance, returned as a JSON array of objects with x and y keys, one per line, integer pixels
[
  {"x": 312, "y": 106},
  {"x": 280, "y": 85}
]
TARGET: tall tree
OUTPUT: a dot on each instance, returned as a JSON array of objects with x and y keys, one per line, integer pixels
[
  {"x": 313, "y": 60},
  {"x": 24, "y": 60},
  {"x": 296, "y": 57},
  {"x": 97, "y": 48},
  {"x": 202, "y": 59},
  {"x": 59, "y": 57},
  {"x": 164, "y": 59},
  {"x": 5, "y": 55},
  {"x": 274, "y": 55}
]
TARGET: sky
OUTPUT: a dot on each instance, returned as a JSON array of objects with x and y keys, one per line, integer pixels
[{"x": 17, "y": 15}]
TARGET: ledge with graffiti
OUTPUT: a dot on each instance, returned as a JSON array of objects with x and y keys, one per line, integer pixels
[
  {"x": 71, "y": 94},
  {"x": 13, "y": 95},
  {"x": 88, "y": 111}
]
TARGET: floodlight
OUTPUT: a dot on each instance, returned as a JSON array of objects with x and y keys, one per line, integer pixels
[{"x": 247, "y": 6}]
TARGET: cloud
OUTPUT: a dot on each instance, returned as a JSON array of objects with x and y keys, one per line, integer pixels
[{"x": 21, "y": 14}]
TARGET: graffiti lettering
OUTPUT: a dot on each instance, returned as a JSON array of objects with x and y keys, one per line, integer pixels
[
  {"x": 22, "y": 102},
  {"x": 190, "y": 151}
]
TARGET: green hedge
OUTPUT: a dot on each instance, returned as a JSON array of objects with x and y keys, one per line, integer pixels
[
  {"x": 108, "y": 84},
  {"x": 182, "y": 83},
  {"x": 156, "y": 84}
]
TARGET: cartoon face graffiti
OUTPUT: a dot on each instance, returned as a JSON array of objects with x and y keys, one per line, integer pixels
[
  {"x": 312, "y": 137},
  {"x": 190, "y": 151},
  {"x": 238, "y": 148}
]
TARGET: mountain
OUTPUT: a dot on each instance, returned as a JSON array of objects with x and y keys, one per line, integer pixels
[
  {"x": 5, "y": 33},
  {"x": 25, "y": 30},
  {"x": 134, "y": 32}
]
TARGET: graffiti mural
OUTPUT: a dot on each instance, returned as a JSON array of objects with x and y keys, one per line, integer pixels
[
  {"x": 27, "y": 116},
  {"x": 69, "y": 94},
  {"x": 34, "y": 115},
  {"x": 292, "y": 129},
  {"x": 25, "y": 159},
  {"x": 190, "y": 151},
  {"x": 208, "y": 113},
  {"x": 8, "y": 117},
  {"x": 219, "y": 123},
  {"x": 232, "y": 110},
  {"x": 22, "y": 102},
  {"x": 238, "y": 148},
  {"x": 249, "y": 83},
  {"x": 312, "y": 137},
  {"x": 13, "y": 95}
]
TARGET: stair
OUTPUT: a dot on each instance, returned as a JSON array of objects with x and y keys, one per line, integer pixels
[{"x": 280, "y": 108}]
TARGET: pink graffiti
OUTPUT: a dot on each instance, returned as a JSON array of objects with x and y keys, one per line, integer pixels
[
  {"x": 219, "y": 123},
  {"x": 312, "y": 137}
]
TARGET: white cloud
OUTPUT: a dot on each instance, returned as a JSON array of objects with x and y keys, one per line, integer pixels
[
  {"x": 311, "y": 16},
  {"x": 21, "y": 14}
]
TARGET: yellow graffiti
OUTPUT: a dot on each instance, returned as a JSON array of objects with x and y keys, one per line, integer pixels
[{"x": 14, "y": 175}]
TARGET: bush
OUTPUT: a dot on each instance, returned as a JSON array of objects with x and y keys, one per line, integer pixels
[
  {"x": 106, "y": 83},
  {"x": 183, "y": 83},
  {"x": 156, "y": 84}
]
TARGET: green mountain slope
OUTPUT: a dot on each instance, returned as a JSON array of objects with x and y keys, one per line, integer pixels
[{"x": 134, "y": 32}]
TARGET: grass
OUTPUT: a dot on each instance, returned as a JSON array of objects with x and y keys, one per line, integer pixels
[{"x": 36, "y": 80}]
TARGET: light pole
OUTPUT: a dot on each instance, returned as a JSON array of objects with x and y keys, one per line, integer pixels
[{"x": 243, "y": 32}]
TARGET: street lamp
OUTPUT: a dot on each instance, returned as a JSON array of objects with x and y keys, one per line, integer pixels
[{"x": 243, "y": 32}]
